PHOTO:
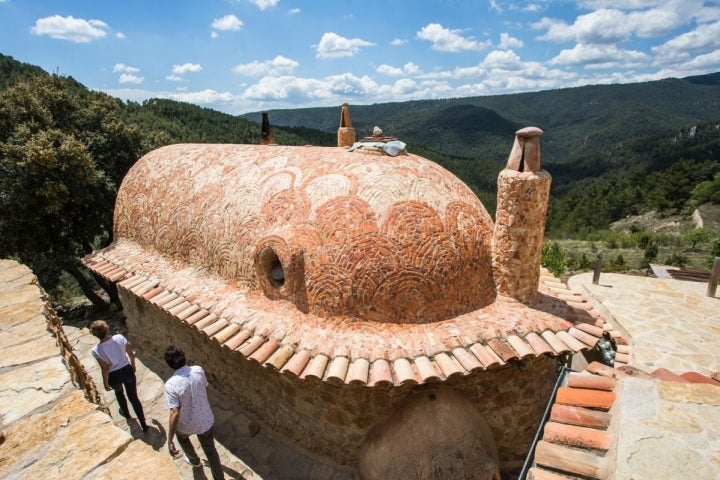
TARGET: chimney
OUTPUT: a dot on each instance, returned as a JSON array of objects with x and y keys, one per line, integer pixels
[
  {"x": 266, "y": 135},
  {"x": 522, "y": 199},
  {"x": 346, "y": 132}
]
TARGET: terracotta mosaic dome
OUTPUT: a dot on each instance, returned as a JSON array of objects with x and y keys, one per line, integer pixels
[
  {"x": 344, "y": 264},
  {"x": 336, "y": 233}
]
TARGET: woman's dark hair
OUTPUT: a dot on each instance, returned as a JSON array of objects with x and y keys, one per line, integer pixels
[
  {"x": 175, "y": 358},
  {"x": 99, "y": 329}
]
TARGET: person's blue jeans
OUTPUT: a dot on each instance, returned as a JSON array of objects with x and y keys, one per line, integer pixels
[
  {"x": 207, "y": 442},
  {"x": 125, "y": 377}
]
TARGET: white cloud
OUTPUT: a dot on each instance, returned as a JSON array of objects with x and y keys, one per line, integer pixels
[
  {"x": 277, "y": 66},
  {"x": 390, "y": 71},
  {"x": 600, "y": 56},
  {"x": 503, "y": 59},
  {"x": 603, "y": 26},
  {"x": 557, "y": 30},
  {"x": 333, "y": 45},
  {"x": 507, "y": 42},
  {"x": 294, "y": 11},
  {"x": 203, "y": 97},
  {"x": 408, "y": 69},
  {"x": 396, "y": 42},
  {"x": 227, "y": 23},
  {"x": 120, "y": 35},
  {"x": 263, "y": 4},
  {"x": 130, "y": 78},
  {"x": 186, "y": 68},
  {"x": 121, "y": 67},
  {"x": 73, "y": 29},
  {"x": 411, "y": 69},
  {"x": 703, "y": 38},
  {"x": 174, "y": 78},
  {"x": 446, "y": 40},
  {"x": 617, "y": 21}
]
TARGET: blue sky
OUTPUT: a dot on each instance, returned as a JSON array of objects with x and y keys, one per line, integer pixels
[{"x": 238, "y": 56}]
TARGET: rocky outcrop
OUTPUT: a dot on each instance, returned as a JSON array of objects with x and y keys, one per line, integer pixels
[{"x": 52, "y": 421}]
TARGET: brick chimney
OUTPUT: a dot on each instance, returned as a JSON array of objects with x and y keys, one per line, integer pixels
[
  {"x": 266, "y": 135},
  {"x": 522, "y": 199},
  {"x": 346, "y": 132}
]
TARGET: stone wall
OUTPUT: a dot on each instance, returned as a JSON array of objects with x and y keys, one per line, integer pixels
[
  {"x": 331, "y": 420},
  {"x": 48, "y": 428}
]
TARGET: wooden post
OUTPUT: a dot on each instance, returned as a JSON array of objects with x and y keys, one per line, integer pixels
[
  {"x": 598, "y": 266},
  {"x": 714, "y": 278}
]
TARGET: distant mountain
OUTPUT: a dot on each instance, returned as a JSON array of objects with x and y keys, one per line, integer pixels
[
  {"x": 613, "y": 150},
  {"x": 576, "y": 121}
]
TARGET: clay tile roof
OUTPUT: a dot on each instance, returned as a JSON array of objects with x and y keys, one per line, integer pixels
[
  {"x": 476, "y": 329},
  {"x": 575, "y": 440}
]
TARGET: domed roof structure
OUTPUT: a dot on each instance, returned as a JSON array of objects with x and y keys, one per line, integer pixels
[
  {"x": 345, "y": 265},
  {"x": 347, "y": 234}
]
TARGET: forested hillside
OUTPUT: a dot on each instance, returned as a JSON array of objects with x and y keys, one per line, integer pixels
[
  {"x": 576, "y": 121},
  {"x": 613, "y": 151},
  {"x": 167, "y": 121}
]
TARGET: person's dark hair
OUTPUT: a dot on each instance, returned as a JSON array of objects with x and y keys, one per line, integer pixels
[
  {"x": 99, "y": 329},
  {"x": 175, "y": 358}
]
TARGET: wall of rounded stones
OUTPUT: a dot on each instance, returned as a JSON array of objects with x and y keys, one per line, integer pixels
[{"x": 331, "y": 420}]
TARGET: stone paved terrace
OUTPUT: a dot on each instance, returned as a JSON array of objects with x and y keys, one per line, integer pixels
[
  {"x": 664, "y": 429},
  {"x": 49, "y": 429}
]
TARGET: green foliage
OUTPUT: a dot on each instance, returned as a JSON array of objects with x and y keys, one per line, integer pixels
[
  {"x": 553, "y": 258},
  {"x": 714, "y": 252},
  {"x": 63, "y": 151},
  {"x": 705, "y": 192},
  {"x": 617, "y": 263},
  {"x": 166, "y": 121},
  {"x": 676, "y": 260},
  {"x": 698, "y": 235}
]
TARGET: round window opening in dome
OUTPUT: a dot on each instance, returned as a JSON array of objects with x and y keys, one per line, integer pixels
[{"x": 273, "y": 268}]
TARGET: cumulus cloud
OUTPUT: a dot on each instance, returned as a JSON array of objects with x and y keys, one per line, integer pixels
[
  {"x": 73, "y": 29},
  {"x": 227, "y": 23},
  {"x": 120, "y": 35},
  {"x": 174, "y": 78},
  {"x": 396, "y": 42},
  {"x": 503, "y": 59},
  {"x": 263, "y": 4},
  {"x": 277, "y": 66},
  {"x": 600, "y": 56},
  {"x": 615, "y": 21},
  {"x": 446, "y": 40},
  {"x": 130, "y": 78},
  {"x": 294, "y": 11},
  {"x": 389, "y": 71},
  {"x": 121, "y": 67},
  {"x": 408, "y": 69},
  {"x": 333, "y": 45},
  {"x": 703, "y": 38},
  {"x": 508, "y": 42},
  {"x": 186, "y": 68}
]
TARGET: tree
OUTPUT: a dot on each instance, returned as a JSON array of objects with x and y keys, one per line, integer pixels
[
  {"x": 63, "y": 151},
  {"x": 695, "y": 236}
]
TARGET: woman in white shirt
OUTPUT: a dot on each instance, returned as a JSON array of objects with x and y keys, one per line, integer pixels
[{"x": 117, "y": 362}]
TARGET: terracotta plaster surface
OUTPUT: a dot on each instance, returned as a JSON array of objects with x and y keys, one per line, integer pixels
[{"x": 385, "y": 260}]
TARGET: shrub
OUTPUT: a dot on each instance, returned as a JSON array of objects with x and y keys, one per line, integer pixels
[
  {"x": 553, "y": 258},
  {"x": 676, "y": 260}
]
